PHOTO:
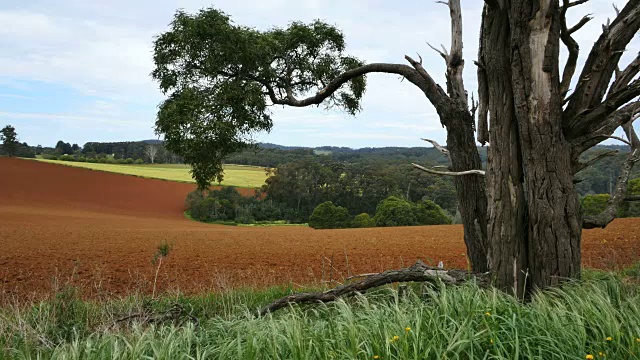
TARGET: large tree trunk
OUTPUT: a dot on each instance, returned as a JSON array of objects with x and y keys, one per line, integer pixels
[
  {"x": 507, "y": 211},
  {"x": 534, "y": 220}
]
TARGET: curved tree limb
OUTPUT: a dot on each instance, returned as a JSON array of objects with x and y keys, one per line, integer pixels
[
  {"x": 418, "y": 272},
  {"x": 429, "y": 88},
  {"x": 449, "y": 173},
  {"x": 605, "y": 217}
]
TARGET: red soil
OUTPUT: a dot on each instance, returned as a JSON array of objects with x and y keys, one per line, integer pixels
[{"x": 99, "y": 231}]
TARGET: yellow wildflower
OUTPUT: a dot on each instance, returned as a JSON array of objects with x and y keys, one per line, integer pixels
[
  {"x": 638, "y": 339},
  {"x": 609, "y": 338},
  {"x": 376, "y": 356},
  {"x": 396, "y": 337},
  {"x": 589, "y": 357},
  {"x": 407, "y": 329},
  {"x": 491, "y": 341},
  {"x": 602, "y": 354},
  {"x": 487, "y": 313}
]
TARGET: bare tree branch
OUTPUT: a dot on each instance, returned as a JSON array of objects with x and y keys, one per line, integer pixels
[
  {"x": 440, "y": 148},
  {"x": 418, "y": 272},
  {"x": 598, "y": 70},
  {"x": 449, "y": 173},
  {"x": 623, "y": 78},
  {"x": 583, "y": 165},
  {"x": 601, "y": 131},
  {"x": 571, "y": 44},
  {"x": 588, "y": 119}
]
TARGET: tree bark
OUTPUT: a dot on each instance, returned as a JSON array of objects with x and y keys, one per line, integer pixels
[
  {"x": 507, "y": 210},
  {"x": 534, "y": 217},
  {"x": 554, "y": 224}
]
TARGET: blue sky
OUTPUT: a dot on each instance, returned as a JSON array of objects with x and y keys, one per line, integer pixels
[{"x": 78, "y": 71}]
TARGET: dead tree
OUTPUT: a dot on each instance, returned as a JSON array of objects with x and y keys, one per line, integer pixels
[{"x": 151, "y": 151}]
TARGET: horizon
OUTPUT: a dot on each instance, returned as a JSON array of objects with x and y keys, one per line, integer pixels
[{"x": 79, "y": 72}]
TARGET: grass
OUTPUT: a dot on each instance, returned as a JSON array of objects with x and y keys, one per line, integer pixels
[
  {"x": 234, "y": 175},
  {"x": 600, "y": 315}
]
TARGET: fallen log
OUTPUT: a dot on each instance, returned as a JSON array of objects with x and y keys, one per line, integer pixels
[{"x": 418, "y": 272}]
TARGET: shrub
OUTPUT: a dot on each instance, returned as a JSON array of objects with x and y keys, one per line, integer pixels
[
  {"x": 49, "y": 157},
  {"x": 81, "y": 159},
  {"x": 329, "y": 216},
  {"x": 429, "y": 213},
  {"x": 128, "y": 161},
  {"x": 594, "y": 204},
  {"x": 193, "y": 198},
  {"x": 363, "y": 221},
  {"x": 120, "y": 161},
  {"x": 394, "y": 211},
  {"x": 67, "y": 158},
  {"x": 139, "y": 161}
]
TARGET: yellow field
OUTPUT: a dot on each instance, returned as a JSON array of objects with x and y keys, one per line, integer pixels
[{"x": 234, "y": 175}]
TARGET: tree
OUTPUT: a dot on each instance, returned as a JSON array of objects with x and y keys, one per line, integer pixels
[
  {"x": 523, "y": 222},
  {"x": 151, "y": 151},
  {"x": 394, "y": 211},
  {"x": 9, "y": 139},
  {"x": 63, "y": 148},
  {"x": 429, "y": 213},
  {"x": 329, "y": 216}
]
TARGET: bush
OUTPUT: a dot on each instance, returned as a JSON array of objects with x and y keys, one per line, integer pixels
[
  {"x": 329, "y": 216},
  {"x": 128, "y": 161},
  {"x": 49, "y": 157},
  {"x": 81, "y": 159},
  {"x": 67, "y": 158},
  {"x": 429, "y": 213},
  {"x": 120, "y": 161},
  {"x": 138, "y": 162},
  {"x": 363, "y": 221},
  {"x": 193, "y": 198},
  {"x": 594, "y": 204},
  {"x": 394, "y": 211}
]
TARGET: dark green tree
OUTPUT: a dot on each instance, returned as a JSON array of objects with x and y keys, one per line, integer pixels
[
  {"x": 9, "y": 139},
  {"x": 394, "y": 211},
  {"x": 329, "y": 216},
  {"x": 428, "y": 212}
]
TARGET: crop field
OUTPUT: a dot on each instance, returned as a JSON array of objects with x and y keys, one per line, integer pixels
[
  {"x": 99, "y": 231},
  {"x": 234, "y": 175}
]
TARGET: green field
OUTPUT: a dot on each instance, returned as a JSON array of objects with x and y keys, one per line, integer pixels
[{"x": 234, "y": 175}]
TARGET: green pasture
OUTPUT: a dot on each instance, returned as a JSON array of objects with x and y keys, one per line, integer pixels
[{"x": 234, "y": 175}]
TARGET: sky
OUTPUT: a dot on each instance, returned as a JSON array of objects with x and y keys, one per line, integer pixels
[{"x": 78, "y": 71}]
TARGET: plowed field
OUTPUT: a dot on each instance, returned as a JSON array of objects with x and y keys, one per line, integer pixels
[{"x": 99, "y": 231}]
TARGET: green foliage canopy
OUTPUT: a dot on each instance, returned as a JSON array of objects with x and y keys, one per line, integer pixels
[
  {"x": 329, "y": 216},
  {"x": 9, "y": 139},
  {"x": 394, "y": 211},
  {"x": 220, "y": 79}
]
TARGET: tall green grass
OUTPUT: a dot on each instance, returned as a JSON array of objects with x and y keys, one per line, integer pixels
[{"x": 423, "y": 323}]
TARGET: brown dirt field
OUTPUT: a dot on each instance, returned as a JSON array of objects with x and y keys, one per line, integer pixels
[{"x": 99, "y": 231}]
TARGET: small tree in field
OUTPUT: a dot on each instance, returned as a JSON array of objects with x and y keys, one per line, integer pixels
[
  {"x": 151, "y": 151},
  {"x": 522, "y": 218},
  {"x": 394, "y": 211},
  {"x": 9, "y": 140}
]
